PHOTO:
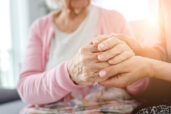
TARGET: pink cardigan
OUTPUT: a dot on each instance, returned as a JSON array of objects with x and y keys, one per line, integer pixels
[{"x": 36, "y": 86}]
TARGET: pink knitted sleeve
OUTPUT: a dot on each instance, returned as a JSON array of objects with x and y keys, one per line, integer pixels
[{"x": 36, "y": 86}]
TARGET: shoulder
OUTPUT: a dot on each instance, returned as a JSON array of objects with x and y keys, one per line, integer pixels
[
  {"x": 113, "y": 22},
  {"x": 43, "y": 22},
  {"x": 42, "y": 25}
]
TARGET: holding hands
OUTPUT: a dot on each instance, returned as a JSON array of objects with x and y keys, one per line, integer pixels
[
  {"x": 108, "y": 60},
  {"x": 84, "y": 67},
  {"x": 125, "y": 68}
]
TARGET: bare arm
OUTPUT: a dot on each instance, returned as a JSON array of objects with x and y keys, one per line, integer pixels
[{"x": 161, "y": 70}]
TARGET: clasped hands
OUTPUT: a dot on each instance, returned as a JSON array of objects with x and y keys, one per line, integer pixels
[{"x": 95, "y": 62}]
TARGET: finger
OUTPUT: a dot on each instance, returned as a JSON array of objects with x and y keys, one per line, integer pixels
[
  {"x": 92, "y": 57},
  {"x": 94, "y": 68},
  {"x": 122, "y": 57},
  {"x": 92, "y": 48},
  {"x": 124, "y": 38},
  {"x": 99, "y": 39},
  {"x": 89, "y": 48},
  {"x": 96, "y": 79},
  {"x": 113, "y": 70},
  {"x": 117, "y": 50},
  {"x": 119, "y": 81},
  {"x": 108, "y": 43},
  {"x": 92, "y": 77},
  {"x": 100, "y": 66}
]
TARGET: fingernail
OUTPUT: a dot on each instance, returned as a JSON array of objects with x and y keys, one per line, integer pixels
[
  {"x": 100, "y": 57},
  {"x": 91, "y": 43},
  {"x": 102, "y": 74},
  {"x": 95, "y": 43}
]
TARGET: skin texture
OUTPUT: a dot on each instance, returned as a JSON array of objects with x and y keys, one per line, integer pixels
[
  {"x": 125, "y": 67},
  {"x": 134, "y": 68},
  {"x": 85, "y": 66}
]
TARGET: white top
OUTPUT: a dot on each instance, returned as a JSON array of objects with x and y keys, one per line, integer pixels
[{"x": 64, "y": 46}]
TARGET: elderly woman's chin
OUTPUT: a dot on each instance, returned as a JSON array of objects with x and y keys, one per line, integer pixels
[
  {"x": 78, "y": 8},
  {"x": 78, "y": 11}
]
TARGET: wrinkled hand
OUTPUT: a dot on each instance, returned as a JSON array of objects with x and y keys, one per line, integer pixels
[
  {"x": 84, "y": 67},
  {"x": 127, "y": 72}
]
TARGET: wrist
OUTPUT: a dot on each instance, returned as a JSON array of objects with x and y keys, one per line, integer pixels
[
  {"x": 69, "y": 65},
  {"x": 150, "y": 67},
  {"x": 140, "y": 51}
]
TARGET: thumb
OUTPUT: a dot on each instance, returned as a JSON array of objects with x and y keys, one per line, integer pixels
[{"x": 119, "y": 81}]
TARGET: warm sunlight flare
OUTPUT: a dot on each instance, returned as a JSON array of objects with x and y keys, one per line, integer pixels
[{"x": 153, "y": 21}]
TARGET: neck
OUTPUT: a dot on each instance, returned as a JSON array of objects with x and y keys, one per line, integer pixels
[
  {"x": 68, "y": 21},
  {"x": 66, "y": 14}
]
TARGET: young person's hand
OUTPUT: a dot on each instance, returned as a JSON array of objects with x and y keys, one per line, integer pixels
[
  {"x": 145, "y": 51},
  {"x": 84, "y": 67},
  {"x": 112, "y": 49},
  {"x": 131, "y": 42},
  {"x": 127, "y": 72}
]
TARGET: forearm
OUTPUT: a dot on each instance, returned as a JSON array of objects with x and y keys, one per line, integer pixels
[
  {"x": 150, "y": 53},
  {"x": 46, "y": 87},
  {"x": 161, "y": 70}
]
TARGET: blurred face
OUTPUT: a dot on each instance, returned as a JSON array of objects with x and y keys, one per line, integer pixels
[{"x": 77, "y": 6}]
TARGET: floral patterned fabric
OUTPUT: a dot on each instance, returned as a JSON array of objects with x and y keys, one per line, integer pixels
[{"x": 95, "y": 100}]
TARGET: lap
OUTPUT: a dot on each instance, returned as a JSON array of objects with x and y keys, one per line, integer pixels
[{"x": 99, "y": 100}]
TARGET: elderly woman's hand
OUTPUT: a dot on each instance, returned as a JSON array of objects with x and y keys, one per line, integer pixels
[{"x": 84, "y": 67}]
